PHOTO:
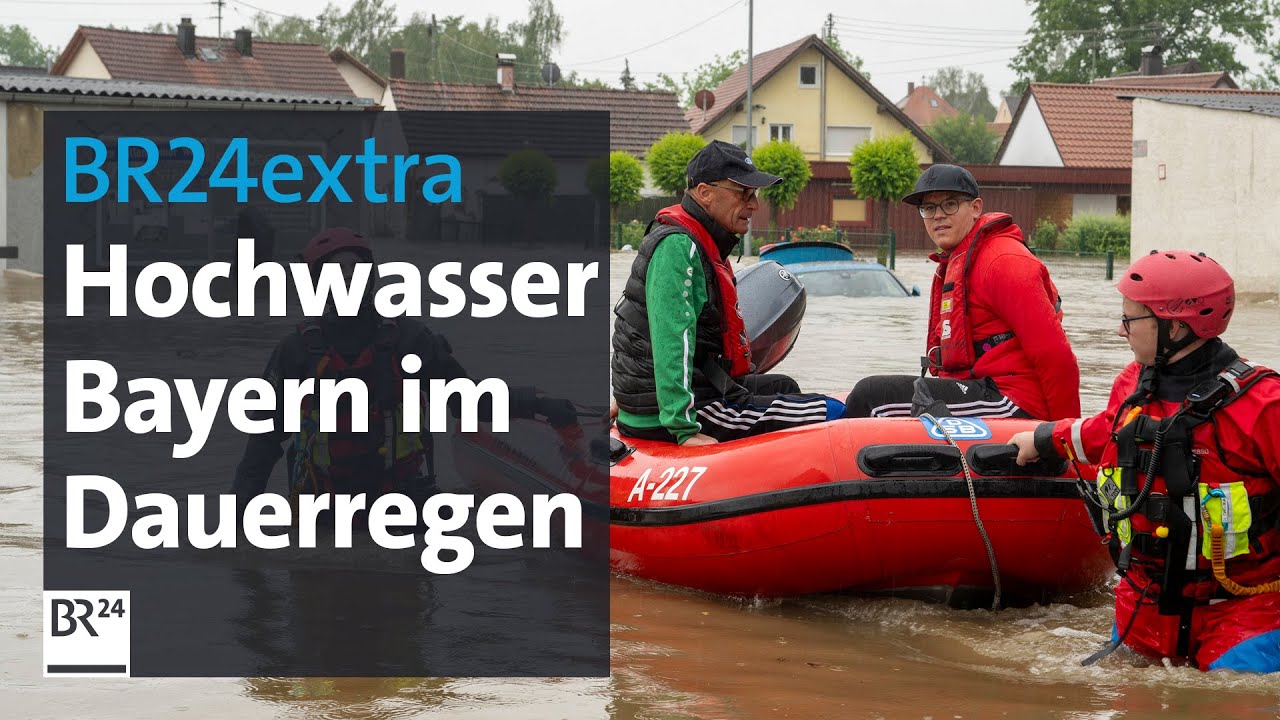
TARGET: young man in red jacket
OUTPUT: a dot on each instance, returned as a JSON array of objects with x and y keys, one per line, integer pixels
[
  {"x": 996, "y": 345},
  {"x": 1188, "y": 482}
]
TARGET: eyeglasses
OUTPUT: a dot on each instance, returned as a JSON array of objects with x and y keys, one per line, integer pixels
[
  {"x": 1125, "y": 320},
  {"x": 747, "y": 193},
  {"x": 950, "y": 206}
]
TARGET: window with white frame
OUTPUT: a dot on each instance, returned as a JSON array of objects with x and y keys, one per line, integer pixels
[
  {"x": 740, "y": 136},
  {"x": 781, "y": 132},
  {"x": 809, "y": 76},
  {"x": 841, "y": 140}
]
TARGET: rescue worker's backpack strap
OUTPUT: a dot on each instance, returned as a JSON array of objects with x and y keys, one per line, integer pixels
[
  {"x": 385, "y": 342},
  {"x": 311, "y": 331}
]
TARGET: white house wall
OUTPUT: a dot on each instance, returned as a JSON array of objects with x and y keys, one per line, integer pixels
[
  {"x": 1086, "y": 204},
  {"x": 361, "y": 85},
  {"x": 4, "y": 186},
  {"x": 87, "y": 64},
  {"x": 1030, "y": 142},
  {"x": 1219, "y": 189},
  {"x": 23, "y": 191}
]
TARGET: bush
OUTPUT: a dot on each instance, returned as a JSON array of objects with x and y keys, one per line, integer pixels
[
  {"x": 884, "y": 169},
  {"x": 632, "y": 233},
  {"x": 1045, "y": 236},
  {"x": 626, "y": 178},
  {"x": 529, "y": 175},
  {"x": 786, "y": 160},
  {"x": 1089, "y": 233},
  {"x": 669, "y": 158},
  {"x": 821, "y": 233}
]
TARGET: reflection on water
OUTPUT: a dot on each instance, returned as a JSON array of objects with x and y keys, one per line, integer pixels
[{"x": 678, "y": 654}]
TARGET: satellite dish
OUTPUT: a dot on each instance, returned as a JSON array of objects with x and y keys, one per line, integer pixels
[
  {"x": 550, "y": 73},
  {"x": 705, "y": 99}
]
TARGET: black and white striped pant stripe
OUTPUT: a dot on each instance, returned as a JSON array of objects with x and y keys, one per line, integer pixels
[
  {"x": 907, "y": 396},
  {"x": 764, "y": 413}
]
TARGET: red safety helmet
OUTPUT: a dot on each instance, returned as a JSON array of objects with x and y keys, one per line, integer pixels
[
  {"x": 335, "y": 239},
  {"x": 1185, "y": 286}
]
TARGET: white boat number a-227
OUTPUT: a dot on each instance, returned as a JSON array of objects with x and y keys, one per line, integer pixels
[{"x": 667, "y": 486}]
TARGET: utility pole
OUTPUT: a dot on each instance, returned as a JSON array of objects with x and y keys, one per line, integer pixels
[
  {"x": 746, "y": 241},
  {"x": 219, "y": 4},
  {"x": 829, "y": 28}
]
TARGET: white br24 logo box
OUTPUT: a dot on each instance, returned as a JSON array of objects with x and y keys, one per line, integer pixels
[{"x": 86, "y": 633}]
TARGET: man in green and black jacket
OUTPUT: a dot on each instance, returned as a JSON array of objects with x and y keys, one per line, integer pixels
[{"x": 681, "y": 356}]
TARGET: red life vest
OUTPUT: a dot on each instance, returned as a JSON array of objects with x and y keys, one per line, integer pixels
[
  {"x": 1237, "y": 495},
  {"x": 384, "y": 459},
  {"x": 951, "y": 346},
  {"x": 735, "y": 344}
]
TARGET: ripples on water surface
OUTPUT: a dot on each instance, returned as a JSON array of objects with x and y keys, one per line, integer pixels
[{"x": 678, "y": 654}]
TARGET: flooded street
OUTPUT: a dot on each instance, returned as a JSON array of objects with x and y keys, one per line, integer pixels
[{"x": 679, "y": 654}]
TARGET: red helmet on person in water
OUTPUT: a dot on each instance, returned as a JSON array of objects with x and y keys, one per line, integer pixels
[
  {"x": 335, "y": 239},
  {"x": 1184, "y": 286}
]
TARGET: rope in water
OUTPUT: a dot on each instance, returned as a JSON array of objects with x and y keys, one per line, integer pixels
[{"x": 973, "y": 504}]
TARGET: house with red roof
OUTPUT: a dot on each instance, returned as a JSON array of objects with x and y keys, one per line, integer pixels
[
  {"x": 1083, "y": 128},
  {"x": 188, "y": 59},
  {"x": 925, "y": 106}
]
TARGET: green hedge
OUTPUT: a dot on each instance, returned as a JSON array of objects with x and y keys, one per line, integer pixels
[
  {"x": 1096, "y": 234},
  {"x": 1045, "y": 236},
  {"x": 631, "y": 234}
]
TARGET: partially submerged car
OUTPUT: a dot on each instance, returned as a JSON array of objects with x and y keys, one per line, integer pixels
[{"x": 832, "y": 269}]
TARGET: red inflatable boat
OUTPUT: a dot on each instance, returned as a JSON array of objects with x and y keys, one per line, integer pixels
[
  {"x": 869, "y": 506},
  {"x": 874, "y": 505}
]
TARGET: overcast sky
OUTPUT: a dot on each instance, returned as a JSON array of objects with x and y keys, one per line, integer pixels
[{"x": 898, "y": 41}]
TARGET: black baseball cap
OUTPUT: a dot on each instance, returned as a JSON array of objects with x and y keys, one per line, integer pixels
[
  {"x": 720, "y": 160},
  {"x": 943, "y": 178}
]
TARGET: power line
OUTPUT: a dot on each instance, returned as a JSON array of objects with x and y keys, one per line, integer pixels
[
  {"x": 700, "y": 23},
  {"x": 127, "y": 3}
]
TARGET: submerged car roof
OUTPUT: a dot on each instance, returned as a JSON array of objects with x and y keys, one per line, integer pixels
[{"x": 836, "y": 265}]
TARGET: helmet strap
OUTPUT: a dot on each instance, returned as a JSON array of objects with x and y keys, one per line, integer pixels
[{"x": 1166, "y": 347}]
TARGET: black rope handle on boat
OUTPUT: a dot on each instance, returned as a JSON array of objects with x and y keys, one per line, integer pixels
[{"x": 973, "y": 503}]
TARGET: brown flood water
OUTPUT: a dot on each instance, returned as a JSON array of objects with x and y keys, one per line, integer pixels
[{"x": 678, "y": 654}]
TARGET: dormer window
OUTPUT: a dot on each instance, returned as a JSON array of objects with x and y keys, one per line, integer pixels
[{"x": 809, "y": 76}]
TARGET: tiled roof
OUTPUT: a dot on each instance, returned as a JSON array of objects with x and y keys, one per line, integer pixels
[
  {"x": 1092, "y": 125},
  {"x": 25, "y": 83},
  {"x": 733, "y": 90},
  {"x": 924, "y": 106},
  {"x": 636, "y": 118},
  {"x": 1184, "y": 80},
  {"x": 22, "y": 70},
  {"x": 130, "y": 55}
]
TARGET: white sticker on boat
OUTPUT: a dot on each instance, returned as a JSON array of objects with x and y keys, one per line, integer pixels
[
  {"x": 673, "y": 483},
  {"x": 958, "y": 428}
]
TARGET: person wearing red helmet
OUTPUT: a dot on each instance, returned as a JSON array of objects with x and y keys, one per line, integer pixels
[
  {"x": 367, "y": 346},
  {"x": 1188, "y": 481}
]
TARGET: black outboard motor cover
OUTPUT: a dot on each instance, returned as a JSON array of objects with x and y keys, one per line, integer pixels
[{"x": 773, "y": 304}]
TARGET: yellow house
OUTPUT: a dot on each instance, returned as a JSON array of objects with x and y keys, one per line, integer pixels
[{"x": 806, "y": 93}]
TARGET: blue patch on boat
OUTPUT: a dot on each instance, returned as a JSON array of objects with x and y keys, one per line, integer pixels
[{"x": 958, "y": 428}]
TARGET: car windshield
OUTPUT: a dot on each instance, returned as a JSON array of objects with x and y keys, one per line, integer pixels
[{"x": 851, "y": 283}]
